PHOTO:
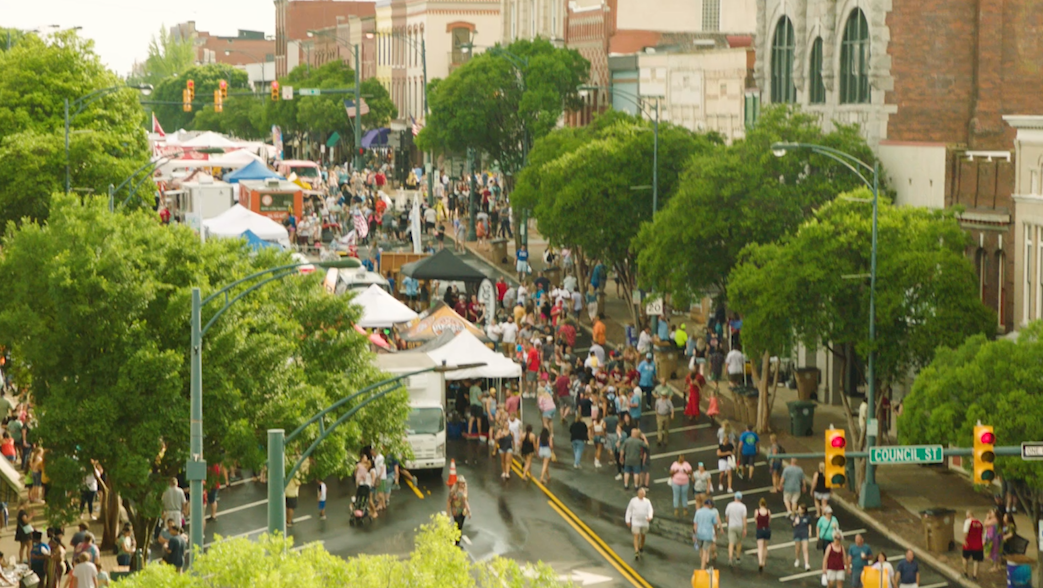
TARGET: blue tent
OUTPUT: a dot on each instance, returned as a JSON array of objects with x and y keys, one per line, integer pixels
[
  {"x": 255, "y": 170},
  {"x": 256, "y": 243},
  {"x": 376, "y": 138}
]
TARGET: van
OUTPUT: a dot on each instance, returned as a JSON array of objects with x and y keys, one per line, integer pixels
[
  {"x": 305, "y": 170},
  {"x": 359, "y": 279},
  {"x": 426, "y": 426}
]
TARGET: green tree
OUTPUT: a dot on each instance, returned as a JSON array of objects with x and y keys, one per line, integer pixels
[
  {"x": 579, "y": 185},
  {"x": 9, "y": 37},
  {"x": 106, "y": 143},
  {"x": 434, "y": 563},
  {"x": 168, "y": 56},
  {"x": 97, "y": 310},
  {"x": 207, "y": 78},
  {"x": 740, "y": 195},
  {"x": 812, "y": 288},
  {"x": 499, "y": 105},
  {"x": 242, "y": 116},
  {"x": 996, "y": 382}
]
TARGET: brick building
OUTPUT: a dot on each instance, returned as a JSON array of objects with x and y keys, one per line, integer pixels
[
  {"x": 929, "y": 82},
  {"x": 294, "y": 18},
  {"x": 245, "y": 48}
]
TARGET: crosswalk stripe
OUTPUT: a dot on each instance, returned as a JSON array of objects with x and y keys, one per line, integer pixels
[
  {"x": 774, "y": 515},
  {"x": 711, "y": 472},
  {"x": 814, "y": 573},
  {"x": 253, "y": 532},
  {"x": 241, "y": 507},
  {"x": 690, "y": 450},
  {"x": 938, "y": 585},
  {"x": 721, "y": 497},
  {"x": 690, "y": 428},
  {"x": 775, "y": 546}
]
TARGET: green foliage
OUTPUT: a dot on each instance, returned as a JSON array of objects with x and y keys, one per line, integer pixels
[
  {"x": 98, "y": 308},
  {"x": 106, "y": 143},
  {"x": 207, "y": 78},
  {"x": 801, "y": 288},
  {"x": 997, "y": 382},
  {"x": 242, "y": 116},
  {"x": 9, "y": 37},
  {"x": 167, "y": 57},
  {"x": 739, "y": 195},
  {"x": 496, "y": 103},
  {"x": 270, "y": 562}
]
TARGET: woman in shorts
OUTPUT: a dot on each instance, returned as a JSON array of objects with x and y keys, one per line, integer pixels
[
  {"x": 762, "y": 517},
  {"x": 725, "y": 459},
  {"x": 599, "y": 431},
  {"x": 528, "y": 450},
  {"x": 819, "y": 490},
  {"x": 801, "y": 532},
  {"x": 505, "y": 443},
  {"x": 545, "y": 451},
  {"x": 545, "y": 401}
]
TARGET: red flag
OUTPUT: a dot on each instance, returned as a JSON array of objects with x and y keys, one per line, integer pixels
[{"x": 155, "y": 126}]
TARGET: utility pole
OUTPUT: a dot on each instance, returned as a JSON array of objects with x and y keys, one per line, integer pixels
[
  {"x": 472, "y": 211},
  {"x": 358, "y": 113},
  {"x": 655, "y": 162}
]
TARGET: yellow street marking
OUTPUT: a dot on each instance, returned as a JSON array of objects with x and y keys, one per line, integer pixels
[{"x": 418, "y": 493}]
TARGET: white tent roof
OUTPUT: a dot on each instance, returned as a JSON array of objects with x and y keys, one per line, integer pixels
[
  {"x": 237, "y": 158},
  {"x": 380, "y": 309},
  {"x": 237, "y": 219},
  {"x": 210, "y": 139},
  {"x": 466, "y": 348}
]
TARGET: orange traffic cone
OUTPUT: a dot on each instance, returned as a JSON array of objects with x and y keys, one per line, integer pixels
[{"x": 452, "y": 473}]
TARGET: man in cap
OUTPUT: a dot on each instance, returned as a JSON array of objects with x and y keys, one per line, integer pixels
[
  {"x": 706, "y": 522},
  {"x": 646, "y": 378}
]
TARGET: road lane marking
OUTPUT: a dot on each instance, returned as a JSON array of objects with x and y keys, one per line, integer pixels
[
  {"x": 242, "y": 507},
  {"x": 682, "y": 451},
  {"x": 253, "y": 532},
  {"x": 418, "y": 493},
  {"x": 774, "y": 515},
  {"x": 465, "y": 539},
  {"x": 711, "y": 472},
  {"x": 607, "y": 552},
  {"x": 938, "y": 585},
  {"x": 818, "y": 572},
  {"x": 300, "y": 547},
  {"x": 689, "y": 428},
  {"x": 775, "y": 546},
  {"x": 720, "y": 497}
]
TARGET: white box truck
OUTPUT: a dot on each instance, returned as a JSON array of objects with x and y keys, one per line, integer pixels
[{"x": 425, "y": 429}]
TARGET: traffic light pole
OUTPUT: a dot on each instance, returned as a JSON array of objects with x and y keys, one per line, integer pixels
[
  {"x": 1007, "y": 450},
  {"x": 358, "y": 113}
]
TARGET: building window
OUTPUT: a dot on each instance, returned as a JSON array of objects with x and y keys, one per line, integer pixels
[
  {"x": 711, "y": 15},
  {"x": 816, "y": 88},
  {"x": 514, "y": 19},
  {"x": 782, "y": 46},
  {"x": 1026, "y": 297},
  {"x": 982, "y": 262},
  {"x": 854, "y": 60},
  {"x": 1001, "y": 260},
  {"x": 461, "y": 40}
]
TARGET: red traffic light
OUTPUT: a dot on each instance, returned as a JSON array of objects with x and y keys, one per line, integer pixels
[
  {"x": 988, "y": 437},
  {"x": 838, "y": 442},
  {"x": 362, "y": 150},
  {"x": 223, "y": 84}
]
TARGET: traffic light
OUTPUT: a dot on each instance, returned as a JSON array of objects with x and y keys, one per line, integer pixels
[
  {"x": 186, "y": 101},
  {"x": 218, "y": 102},
  {"x": 224, "y": 89},
  {"x": 190, "y": 86},
  {"x": 836, "y": 458},
  {"x": 275, "y": 91},
  {"x": 362, "y": 151},
  {"x": 984, "y": 454}
]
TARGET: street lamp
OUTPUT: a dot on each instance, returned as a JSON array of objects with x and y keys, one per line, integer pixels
[
  {"x": 869, "y": 497},
  {"x": 636, "y": 100},
  {"x": 358, "y": 92},
  {"x": 83, "y": 102},
  {"x": 195, "y": 468}
]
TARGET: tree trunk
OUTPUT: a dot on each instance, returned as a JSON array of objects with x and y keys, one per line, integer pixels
[
  {"x": 110, "y": 515},
  {"x": 143, "y": 526}
]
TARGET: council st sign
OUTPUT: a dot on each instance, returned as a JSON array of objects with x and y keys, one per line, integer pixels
[{"x": 902, "y": 454}]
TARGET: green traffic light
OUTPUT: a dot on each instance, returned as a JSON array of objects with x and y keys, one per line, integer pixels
[{"x": 838, "y": 479}]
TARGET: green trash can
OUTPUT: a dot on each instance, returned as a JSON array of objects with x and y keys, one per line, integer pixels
[{"x": 801, "y": 418}]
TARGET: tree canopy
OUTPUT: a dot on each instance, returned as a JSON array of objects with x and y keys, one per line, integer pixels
[
  {"x": 434, "y": 563},
  {"x": 742, "y": 194},
  {"x": 206, "y": 78},
  {"x": 97, "y": 310},
  {"x": 495, "y": 103},
  {"x": 168, "y": 56},
  {"x": 106, "y": 142}
]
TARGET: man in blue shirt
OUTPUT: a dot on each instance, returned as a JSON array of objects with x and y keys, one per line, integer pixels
[
  {"x": 706, "y": 523},
  {"x": 646, "y": 379},
  {"x": 858, "y": 557},
  {"x": 748, "y": 442},
  {"x": 523, "y": 263}
]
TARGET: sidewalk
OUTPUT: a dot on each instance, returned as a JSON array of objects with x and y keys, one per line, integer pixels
[{"x": 905, "y": 490}]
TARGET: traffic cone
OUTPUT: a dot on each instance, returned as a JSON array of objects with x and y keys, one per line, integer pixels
[{"x": 452, "y": 473}]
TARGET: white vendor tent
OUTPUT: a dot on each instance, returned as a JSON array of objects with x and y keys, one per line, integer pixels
[
  {"x": 380, "y": 309},
  {"x": 210, "y": 139},
  {"x": 236, "y": 220},
  {"x": 238, "y": 158},
  {"x": 466, "y": 348}
]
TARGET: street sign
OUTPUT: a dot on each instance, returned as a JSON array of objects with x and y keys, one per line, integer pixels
[
  {"x": 654, "y": 307},
  {"x": 1032, "y": 450},
  {"x": 309, "y": 92},
  {"x": 287, "y": 92},
  {"x": 902, "y": 454}
]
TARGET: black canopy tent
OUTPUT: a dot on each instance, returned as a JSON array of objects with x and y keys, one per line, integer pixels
[{"x": 443, "y": 266}]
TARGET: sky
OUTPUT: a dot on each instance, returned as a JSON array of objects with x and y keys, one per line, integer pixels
[{"x": 122, "y": 29}]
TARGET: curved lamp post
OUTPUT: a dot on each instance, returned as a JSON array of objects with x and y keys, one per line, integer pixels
[
  {"x": 83, "y": 102},
  {"x": 869, "y": 496}
]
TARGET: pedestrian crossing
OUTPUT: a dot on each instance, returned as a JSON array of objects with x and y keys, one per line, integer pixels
[
  {"x": 818, "y": 572},
  {"x": 711, "y": 472},
  {"x": 721, "y": 497},
  {"x": 686, "y": 452},
  {"x": 813, "y": 540}
]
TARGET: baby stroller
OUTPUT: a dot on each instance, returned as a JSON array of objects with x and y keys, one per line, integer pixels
[{"x": 360, "y": 507}]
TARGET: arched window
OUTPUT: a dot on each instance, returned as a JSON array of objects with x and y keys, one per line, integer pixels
[
  {"x": 816, "y": 88},
  {"x": 782, "y": 88},
  {"x": 854, "y": 60}
]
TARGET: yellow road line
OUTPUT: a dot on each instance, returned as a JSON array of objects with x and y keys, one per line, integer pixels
[
  {"x": 596, "y": 547},
  {"x": 418, "y": 493},
  {"x": 641, "y": 581}
]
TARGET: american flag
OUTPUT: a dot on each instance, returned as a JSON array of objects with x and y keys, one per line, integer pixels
[
  {"x": 349, "y": 105},
  {"x": 416, "y": 126},
  {"x": 361, "y": 226}
]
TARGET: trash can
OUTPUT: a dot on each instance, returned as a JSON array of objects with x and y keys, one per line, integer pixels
[
  {"x": 807, "y": 382},
  {"x": 938, "y": 526},
  {"x": 1019, "y": 571},
  {"x": 666, "y": 357},
  {"x": 801, "y": 418},
  {"x": 498, "y": 250}
]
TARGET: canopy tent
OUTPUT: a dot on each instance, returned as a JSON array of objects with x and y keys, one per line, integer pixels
[
  {"x": 437, "y": 342},
  {"x": 376, "y": 138},
  {"x": 443, "y": 266},
  {"x": 436, "y": 321},
  {"x": 256, "y": 242},
  {"x": 256, "y": 170},
  {"x": 237, "y": 159},
  {"x": 210, "y": 140},
  {"x": 235, "y": 221},
  {"x": 466, "y": 348},
  {"x": 380, "y": 309}
]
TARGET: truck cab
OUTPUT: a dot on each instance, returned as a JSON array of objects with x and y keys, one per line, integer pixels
[{"x": 426, "y": 427}]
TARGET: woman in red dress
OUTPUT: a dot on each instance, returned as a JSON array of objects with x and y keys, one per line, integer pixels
[{"x": 695, "y": 381}]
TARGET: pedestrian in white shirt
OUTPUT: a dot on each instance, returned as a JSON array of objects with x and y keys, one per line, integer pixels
[
  {"x": 735, "y": 514},
  {"x": 736, "y": 363},
  {"x": 639, "y": 518},
  {"x": 644, "y": 341}
]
